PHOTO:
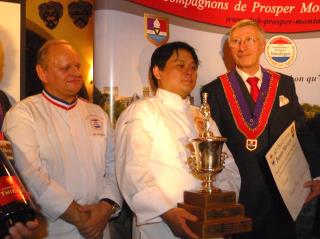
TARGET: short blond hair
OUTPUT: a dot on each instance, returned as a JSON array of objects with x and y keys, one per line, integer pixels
[{"x": 247, "y": 22}]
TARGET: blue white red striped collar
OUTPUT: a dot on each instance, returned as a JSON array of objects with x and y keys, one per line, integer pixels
[{"x": 58, "y": 102}]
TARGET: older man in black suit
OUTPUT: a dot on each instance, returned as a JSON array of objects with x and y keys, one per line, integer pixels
[{"x": 252, "y": 106}]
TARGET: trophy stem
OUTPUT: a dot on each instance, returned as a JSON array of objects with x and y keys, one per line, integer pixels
[{"x": 207, "y": 184}]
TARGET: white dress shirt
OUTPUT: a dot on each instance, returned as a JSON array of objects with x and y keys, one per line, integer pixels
[{"x": 244, "y": 76}]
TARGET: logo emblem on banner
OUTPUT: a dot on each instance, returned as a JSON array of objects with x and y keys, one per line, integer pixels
[
  {"x": 280, "y": 51},
  {"x": 156, "y": 29}
]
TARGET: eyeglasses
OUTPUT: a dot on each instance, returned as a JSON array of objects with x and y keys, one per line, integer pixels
[{"x": 249, "y": 41}]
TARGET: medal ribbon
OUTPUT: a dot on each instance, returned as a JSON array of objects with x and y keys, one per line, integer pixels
[{"x": 256, "y": 128}]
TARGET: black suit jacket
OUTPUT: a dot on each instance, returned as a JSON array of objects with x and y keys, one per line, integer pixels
[
  {"x": 4, "y": 101},
  {"x": 4, "y": 104},
  {"x": 258, "y": 191}
]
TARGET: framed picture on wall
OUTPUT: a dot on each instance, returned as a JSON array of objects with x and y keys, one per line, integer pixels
[{"x": 12, "y": 19}]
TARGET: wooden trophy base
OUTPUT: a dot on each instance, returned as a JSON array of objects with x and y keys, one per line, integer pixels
[{"x": 218, "y": 213}]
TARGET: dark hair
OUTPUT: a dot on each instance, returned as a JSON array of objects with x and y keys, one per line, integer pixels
[{"x": 162, "y": 54}]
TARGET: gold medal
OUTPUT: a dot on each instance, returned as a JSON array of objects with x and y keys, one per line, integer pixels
[{"x": 251, "y": 144}]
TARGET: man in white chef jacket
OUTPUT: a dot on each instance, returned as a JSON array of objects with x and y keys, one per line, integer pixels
[
  {"x": 151, "y": 148},
  {"x": 63, "y": 147}
]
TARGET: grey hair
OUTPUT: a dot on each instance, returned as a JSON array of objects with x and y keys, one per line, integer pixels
[
  {"x": 247, "y": 22},
  {"x": 43, "y": 51}
]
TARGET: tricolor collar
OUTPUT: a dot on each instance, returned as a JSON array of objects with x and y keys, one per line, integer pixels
[{"x": 58, "y": 102}]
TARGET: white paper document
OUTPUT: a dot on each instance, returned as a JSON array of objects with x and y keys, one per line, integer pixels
[{"x": 290, "y": 170}]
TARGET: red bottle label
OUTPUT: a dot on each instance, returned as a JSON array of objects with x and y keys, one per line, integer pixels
[{"x": 11, "y": 190}]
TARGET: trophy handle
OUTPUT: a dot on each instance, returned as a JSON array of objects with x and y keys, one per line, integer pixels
[
  {"x": 193, "y": 165},
  {"x": 191, "y": 161},
  {"x": 223, "y": 156}
]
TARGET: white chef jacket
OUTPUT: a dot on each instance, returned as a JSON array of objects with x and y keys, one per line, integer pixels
[
  {"x": 63, "y": 152},
  {"x": 151, "y": 157}
]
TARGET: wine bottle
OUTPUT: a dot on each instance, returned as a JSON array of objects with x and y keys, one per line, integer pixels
[{"x": 15, "y": 202}]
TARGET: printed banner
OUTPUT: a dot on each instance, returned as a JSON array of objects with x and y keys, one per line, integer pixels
[{"x": 274, "y": 16}]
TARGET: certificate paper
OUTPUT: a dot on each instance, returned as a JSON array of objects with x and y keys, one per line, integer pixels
[{"x": 290, "y": 170}]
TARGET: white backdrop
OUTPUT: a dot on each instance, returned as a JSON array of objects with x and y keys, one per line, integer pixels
[{"x": 122, "y": 53}]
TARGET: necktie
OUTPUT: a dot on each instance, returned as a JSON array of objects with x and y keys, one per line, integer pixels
[{"x": 254, "y": 89}]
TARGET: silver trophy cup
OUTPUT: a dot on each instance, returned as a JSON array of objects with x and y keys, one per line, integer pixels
[
  {"x": 217, "y": 210},
  {"x": 207, "y": 160}
]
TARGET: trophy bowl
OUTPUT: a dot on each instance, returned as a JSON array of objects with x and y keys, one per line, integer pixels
[{"x": 207, "y": 160}]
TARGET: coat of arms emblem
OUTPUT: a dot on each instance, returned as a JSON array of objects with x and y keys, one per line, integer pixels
[{"x": 156, "y": 29}]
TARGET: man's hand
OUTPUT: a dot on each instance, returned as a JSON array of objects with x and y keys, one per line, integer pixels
[
  {"x": 19, "y": 230},
  {"x": 314, "y": 186},
  {"x": 97, "y": 221},
  {"x": 176, "y": 219},
  {"x": 74, "y": 216}
]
